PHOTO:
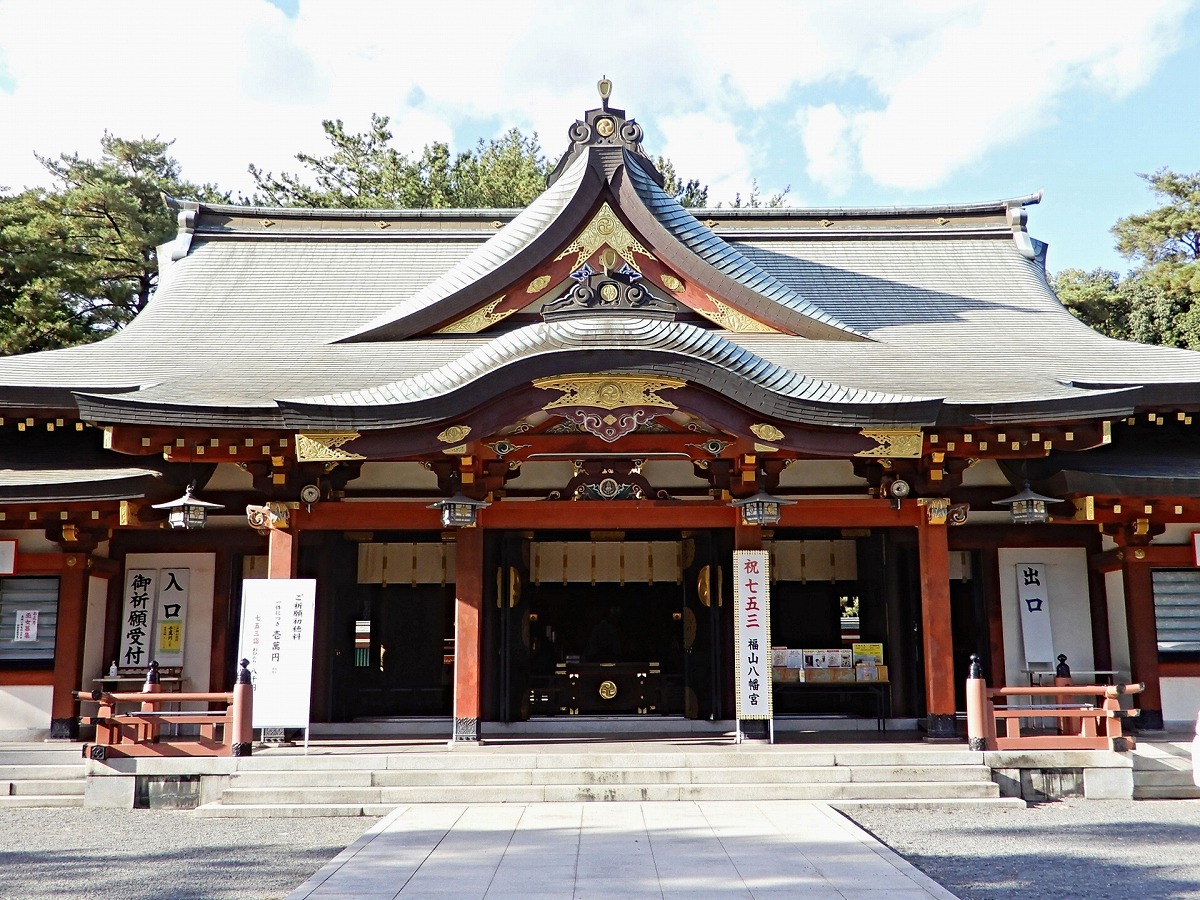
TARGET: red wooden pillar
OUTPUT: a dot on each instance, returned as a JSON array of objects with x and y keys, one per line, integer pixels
[
  {"x": 281, "y": 554},
  {"x": 68, "y": 646},
  {"x": 1143, "y": 634},
  {"x": 747, "y": 537},
  {"x": 933, "y": 548},
  {"x": 468, "y": 622}
]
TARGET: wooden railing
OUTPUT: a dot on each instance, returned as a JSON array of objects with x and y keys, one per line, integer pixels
[
  {"x": 1088, "y": 717},
  {"x": 122, "y": 731}
]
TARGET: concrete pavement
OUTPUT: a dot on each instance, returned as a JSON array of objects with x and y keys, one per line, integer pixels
[{"x": 777, "y": 848}]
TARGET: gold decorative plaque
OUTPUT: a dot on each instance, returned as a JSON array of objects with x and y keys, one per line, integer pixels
[
  {"x": 538, "y": 284},
  {"x": 325, "y": 446},
  {"x": 732, "y": 320},
  {"x": 477, "y": 321},
  {"x": 605, "y": 228},
  {"x": 454, "y": 434},
  {"x": 671, "y": 283},
  {"x": 609, "y": 391},
  {"x": 902, "y": 443},
  {"x": 608, "y": 690},
  {"x": 767, "y": 432}
]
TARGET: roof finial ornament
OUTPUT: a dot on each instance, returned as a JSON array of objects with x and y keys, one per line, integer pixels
[{"x": 605, "y": 88}]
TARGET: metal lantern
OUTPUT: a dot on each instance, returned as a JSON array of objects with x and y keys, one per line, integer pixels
[
  {"x": 188, "y": 511},
  {"x": 761, "y": 508},
  {"x": 1027, "y": 507},
  {"x": 459, "y": 511}
]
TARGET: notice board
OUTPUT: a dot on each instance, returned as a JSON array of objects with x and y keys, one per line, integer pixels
[{"x": 277, "y": 638}]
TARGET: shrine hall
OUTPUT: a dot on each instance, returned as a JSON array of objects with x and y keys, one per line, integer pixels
[{"x": 518, "y": 450}]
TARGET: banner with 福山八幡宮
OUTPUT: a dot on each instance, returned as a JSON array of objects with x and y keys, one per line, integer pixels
[{"x": 752, "y": 633}]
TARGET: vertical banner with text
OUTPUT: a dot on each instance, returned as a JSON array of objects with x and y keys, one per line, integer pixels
[
  {"x": 171, "y": 616},
  {"x": 278, "y": 615},
  {"x": 137, "y": 617},
  {"x": 752, "y": 633},
  {"x": 1033, "y": 595}
]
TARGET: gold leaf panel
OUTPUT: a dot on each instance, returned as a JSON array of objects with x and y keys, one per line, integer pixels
[{"x": 608, "y": 391}]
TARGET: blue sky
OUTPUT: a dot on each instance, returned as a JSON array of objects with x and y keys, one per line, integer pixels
[{"x": 847, "y": 102}]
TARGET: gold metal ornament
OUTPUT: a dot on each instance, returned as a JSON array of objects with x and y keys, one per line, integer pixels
[
  {"x": 454, "y": 434},
  {"x": 477, "y": 321},
  {"x": 538, "y": 284},
  {"x": 605, "y": 228},
  {"x": 767, "y": 432},
  {"x": 325, "y": 446},
  {"x": 609, "y": 391},
  {"x": 731, "y": 320},
  {"x": 605, "y": 127},
  {"x": 608, "y": 690},
  {"x": 904, "y": 443},
  {"x": 671, "y": 283}
]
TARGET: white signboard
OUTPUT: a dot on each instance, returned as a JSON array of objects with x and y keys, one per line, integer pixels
[
  {"x": 27, "y": 620},
  {"x": 752, "y": 633},
  {"x": 1033, "y": 597},
  {"x": 8, "y": 557},
  {"x": 137, "y": 617},
  {"x": 170, "y": 616},
  {"x": 277, "y": 638}
]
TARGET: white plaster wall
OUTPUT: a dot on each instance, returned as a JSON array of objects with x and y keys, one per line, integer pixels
[
  {"x": 31, "y": 541},
  {"x": 1181, "y": 702},
  {"x": 25, "y": 712},
  {"x": 94, "y": 663},
  {"x": 1070, "y": 611},
  {"x": 197, "y": 642},
  {"x": 1118, "y": 625}
]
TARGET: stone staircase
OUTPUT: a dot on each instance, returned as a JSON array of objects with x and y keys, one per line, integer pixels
[
  {"x": 38, "y": 777},
  {"x": 368, "y": 784},
  {"x": 1163, "y": 771}
]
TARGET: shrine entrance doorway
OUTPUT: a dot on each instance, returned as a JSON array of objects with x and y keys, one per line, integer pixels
[{"x": 606, "y": 624}]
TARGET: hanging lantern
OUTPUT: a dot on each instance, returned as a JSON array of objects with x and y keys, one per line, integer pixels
[
  {"x": 459, "y": 511},
  {"x": 188, "y": 511},
  {"x": 761, "y": 508},
  {"x": 1027, "y": 507}
]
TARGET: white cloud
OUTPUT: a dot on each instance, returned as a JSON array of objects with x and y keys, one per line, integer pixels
[{"x": 923, "y": 88}]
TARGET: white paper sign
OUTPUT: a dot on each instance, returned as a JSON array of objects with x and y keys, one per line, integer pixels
[
  {"x": 27, "y": 621},
  {"x": 277, "y": 638},
  {"x": 752, "y": 633},
  {"x": 1033, "y": 597},
  {"x": 8, "y": 557}
]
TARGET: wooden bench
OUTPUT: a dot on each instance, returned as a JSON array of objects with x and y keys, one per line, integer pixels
[
  {"x": 137, "y": 732},
  {"x": 1094, "y": 725}
]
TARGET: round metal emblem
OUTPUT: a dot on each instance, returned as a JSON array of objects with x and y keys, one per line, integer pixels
[
  {"x": 604, "y": 127},
  {"x": 608, "y": 690}
]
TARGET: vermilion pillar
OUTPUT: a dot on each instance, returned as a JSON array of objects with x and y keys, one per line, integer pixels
[
  {"x": 1143, "y": 634},
  {"x": 468, "y": 615},
  {"x": 68, "y": 646},
  {"x": 933, "y": 548}
]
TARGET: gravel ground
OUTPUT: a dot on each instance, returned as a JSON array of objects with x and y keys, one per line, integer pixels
[
  {"x": 1090, "y": 850},
  {"x": 152, "y": 854}
]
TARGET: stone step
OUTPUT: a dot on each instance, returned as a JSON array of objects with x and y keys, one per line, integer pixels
[
  {"x": 1166, "y": 777},
  {"x": 19, "y": 772},
  {"x": 43, "y": 787},
  {"x": 487, "y": 777},
  {"x": 613, "y": 792},
  {"x": 1166, "y": 792},
  {"x": 32, "y": 801},
  {"x": 291, "y": 811}
]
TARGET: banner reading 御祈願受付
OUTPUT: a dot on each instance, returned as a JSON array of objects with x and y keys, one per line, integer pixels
[
  {"x": 277, "y": 639},
  {"x": 752, "y": 633}
]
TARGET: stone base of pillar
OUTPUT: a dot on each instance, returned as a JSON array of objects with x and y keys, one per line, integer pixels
[
  {"x": 1149, "y": 720},
  {"x": 245, "y": 748},
  {"x": 466, "y": 730},
  {"x": 940, "y": 727},
  {"x": 67, "y": 729}
]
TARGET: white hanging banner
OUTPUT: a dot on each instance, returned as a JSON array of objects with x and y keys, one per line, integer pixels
[
  {"x": 171, "y": 616},
  {"x": 137, "y": 617},
  {"x": 277, "y": 639},
  {"x": 1033, "y": 597},
  {"x": 752, "y": 633}
]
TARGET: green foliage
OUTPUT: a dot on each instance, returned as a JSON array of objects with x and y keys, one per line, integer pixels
[
  {"x": 77, "y": 260},
  {"x": 1155, "y": 303},
  {"x": 689, "y": 194},
  {"x": 365, "y": 171},
  {"x": 756, "y": 201}
]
